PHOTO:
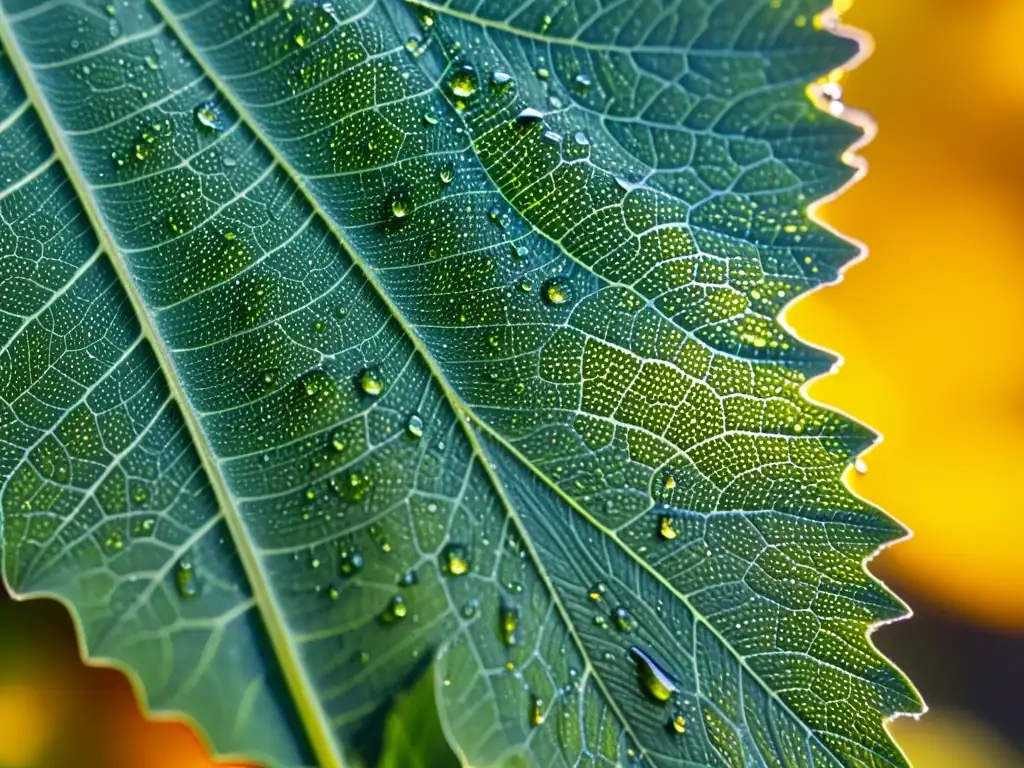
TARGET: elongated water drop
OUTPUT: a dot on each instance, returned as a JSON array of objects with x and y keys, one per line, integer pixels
[
  {"x": 500, "y": 79},
  {"x": 536, "y": 711},
  {"x": 509, "y": 624},
  {"x": 666, "y": 529},
  {"x": 653, "y": 679},
  {"x": 622, "y": 619},
  {"x": 678, "y": 724},
  {"x": 583, "y": 81},
  {"x": 186, "y": 578},
  {"x": 529, "y": 116}
]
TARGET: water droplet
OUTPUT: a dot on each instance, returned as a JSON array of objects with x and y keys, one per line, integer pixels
[
  {"x": 622, "y": 619},
  {"x": 408, "y": 579},
  {"x": 209, "y": 115},
  {"x": 455, "y": 559},
  {"x": 529, "y": 116},
  {"x": 536, "y": 711},
  {"x": 469, "y": 609},
  {"x": 333, "y": 593},
  {"x": 396, "y": 609},
  {"x": 186, "y": 579},
  {"x": 414, "y": 426},
  {"x": 500, "y": 79},
  {"x": 583, "y": 81},
  {"x": 543, "y": 73},
  {"x": 447, "y": 174},
  {"x": 114, "y": 541},
  {"x": 370, "y": 383},
  {"x": 525, "y": 286},
  {"x": 652, "y": 677},
  {"x": 678, "y": 724},
  {"x": 429, "y": 119},
  {"x": 364, "y": 657},
  {"x": 555, "y": 291},
  {"x": 581, "y": 139},
  {"x": 597, "y": 591},
  {"x": 351, "y": 563},
  {"x": 665, "y": 528},
  {"x": 860, "y": 466},
  {"x": 337, "y": 443},
  {"x": 463, "y": 82},
  {"x": 400, "y": 207},
  {"x": 552, "y": 137},
  {"x": 509, "y": 623}
]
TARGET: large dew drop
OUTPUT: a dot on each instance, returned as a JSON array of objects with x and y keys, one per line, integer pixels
[
  {"x": 529, "y": 116},
  {"x": 654, "y": 680},
  {"x": 370, "y": 382},
  {"x": 463, "y": 82},
  {"x": 556, "y": 291},
  {"x": 455, "y": 560},
  {"x": 209, "y": 116}
]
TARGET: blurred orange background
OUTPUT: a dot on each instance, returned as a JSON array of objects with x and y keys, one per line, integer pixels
[{"x": 929, "y": 327}]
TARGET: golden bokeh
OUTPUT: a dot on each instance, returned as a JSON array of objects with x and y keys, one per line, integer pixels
[{"x": 931, "y": 324}]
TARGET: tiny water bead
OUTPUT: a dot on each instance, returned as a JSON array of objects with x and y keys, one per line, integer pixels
[
  {"x": 583, "y": 81},
  {"x": 370, "y": 382},
  {"x": 678, "y": 724},
  {"x": 395, "y": 610},
  {"x": 414, "y": 426},
  {"x": 210, "y": 116},
  {"x": 581, "y": 139},
  {"x": 455, "y": 560},
  {"x": 597, "y": 591},
  {"x": 556, "y": 291},
  {"x": 350, "y": 563},
  {"x": 186, "y": 579},
  {"x": 409, "y": 579},
  {"x": 653, "y": 679}
]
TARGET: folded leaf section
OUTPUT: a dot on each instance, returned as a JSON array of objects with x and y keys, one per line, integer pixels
[{"x": 104, "y": 501}]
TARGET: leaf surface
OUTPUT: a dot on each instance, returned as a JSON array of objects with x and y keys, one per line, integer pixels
[{"x": 343, "y": 337}]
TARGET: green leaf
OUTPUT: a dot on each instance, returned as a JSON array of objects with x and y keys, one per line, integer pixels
[
  {"x": 413, "y": 735},
  {"x": 344, "y": 339}
]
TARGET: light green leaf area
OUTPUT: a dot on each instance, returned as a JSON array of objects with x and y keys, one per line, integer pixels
[{"x": 346, "y": 341}]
